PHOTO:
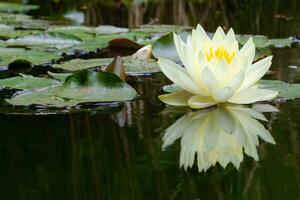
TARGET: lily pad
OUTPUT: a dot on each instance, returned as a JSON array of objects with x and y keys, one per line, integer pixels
[
  {"x": 46, "y": 40},
  {"x": 27, "y": 82},
  {"x": 44, "y": 96},
  {"x": 95, "y": 87},
  {"x": 162, "y": 28},
  {"x": 82, "y": 87},
  {"x": 81, "y": 32},
  {"x": 14, "y": 7},
  {"x": 107, "y": 29},
  {"x": 286, "y": 90},
  {"x": 36, "y": 57},
  {"x": 260, "y": 41},
  {"x": 132, "y": 66}
]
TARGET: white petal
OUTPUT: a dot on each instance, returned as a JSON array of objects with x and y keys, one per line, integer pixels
[
  {"x": 252, "y": 95},
  {"x": 199, "y": 37},
  {"x": 229, "y": 39},
  {"x": 221, "y": 71},
  {"x": 197, "y": 102},
  {"x": 179, "y": 98},
  {"x": 179, "y": 76},
  {"x": 209, "y": 79},
  {"x": 236, "y": 81},
  {"x": 247, "y": 52},
  {"x": 218, "y": 38},
  {"x": 223, "y": 94},
  {"x": 255, "y": 72},
  {"x": 265, "y": 108}
]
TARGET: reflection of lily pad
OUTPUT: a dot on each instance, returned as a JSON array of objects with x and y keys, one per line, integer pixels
[
  {"x": 132, "y": 66},
  {"x": 36, "y": 57},
  {"x": 286, "y": 90},
  {"x": 13, "y": 7},
  {"x": 96, "y": 87},
  {"x": 27, "y": 82}
]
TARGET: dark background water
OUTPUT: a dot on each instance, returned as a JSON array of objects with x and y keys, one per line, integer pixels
[{"x": 116, "y": 153}]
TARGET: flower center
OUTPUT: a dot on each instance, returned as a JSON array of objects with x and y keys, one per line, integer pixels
[{"x": 220, "y": 53}]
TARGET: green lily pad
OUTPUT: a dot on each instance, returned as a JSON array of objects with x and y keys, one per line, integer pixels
[
  {"x": 279, "y": 43},
  {"x": 59, "y": 76},
  {"x": 81, "y": 32},
  {"x": 46, "y": 40},
  {"x": 44, "y": 96},
  {"x": 27, "y": 82},
  {"x": 36, "y": 57},
  {"x": 13, "y": 7},
  {"x": 132, "y": 66},
  {"x": 260, "y": 41},
  {"x": 162, "y": 28},
  {"x": 107, "y": 29},
  {"x": 81, "y": 87},
  {"x": 8, "y": 32},
  {"x": 95, "y": 87},
  {"x": 286, "y": 90}
]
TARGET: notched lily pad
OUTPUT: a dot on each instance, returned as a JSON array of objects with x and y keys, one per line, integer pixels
[
  {"x": 27, "y": 82},
  {"x": 82, "y": 87},
  {"x": 95, "y": 87},
  {"x": 46, "y": 40},
  {"x": 286, "y": 90},
  {"x": 44, "y": 96},
  {"x": 36, "y": 57}
]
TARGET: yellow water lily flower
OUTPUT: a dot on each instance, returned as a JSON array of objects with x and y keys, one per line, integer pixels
[
  {"x": 215, "y": 71},
  {"x": 219, "y": 134}
]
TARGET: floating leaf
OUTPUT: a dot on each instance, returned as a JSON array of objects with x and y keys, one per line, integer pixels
[
  {"x": 107, "y": 29},
  {"x": 13, "y": 7},
  {"x": 132, "y": 66},
  {"x": 36, "y": 57},
  {"x": 95, "y": 87},
  {"x": 81, "y": 32},
  {"x": 279, "y": 43},
  {"x": 59, "y": 76},
  {"x": 27, "y": 82},
  {"x": 56, "y": 40},
  {"x": 165, "y": 48},
  {"x": 286, "y": 90},
  {"x": 162, "y": 28},
  {"x": 44, "y": 96},
  {"x": 81, "y": 87},
  {"x": 260, "y": 41}
]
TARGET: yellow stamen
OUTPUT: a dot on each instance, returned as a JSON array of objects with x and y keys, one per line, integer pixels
[{"x": 220, "y": 53}]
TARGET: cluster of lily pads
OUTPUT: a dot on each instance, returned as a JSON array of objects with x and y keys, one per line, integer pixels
[{"x": 65, "y": 77}]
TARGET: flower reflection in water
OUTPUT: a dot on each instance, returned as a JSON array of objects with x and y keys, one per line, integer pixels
[{"x": 219, "y": 134}]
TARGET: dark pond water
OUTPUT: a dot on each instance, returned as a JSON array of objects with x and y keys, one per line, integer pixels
[{"x": 116, "y": 153}]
